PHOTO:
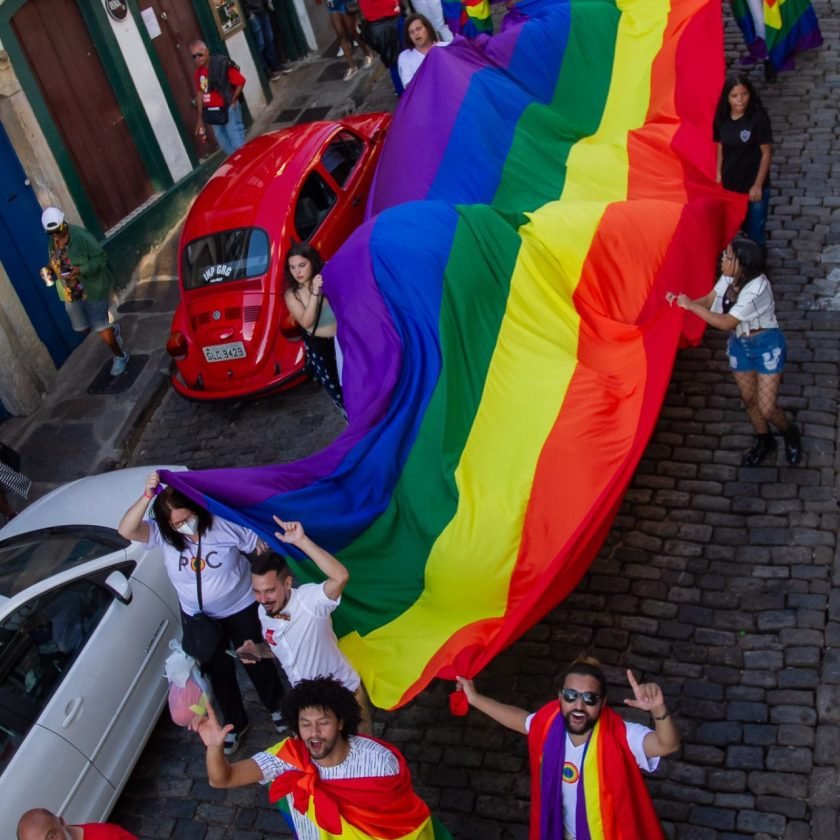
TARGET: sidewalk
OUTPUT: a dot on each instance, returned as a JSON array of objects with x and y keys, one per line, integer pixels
[{"x": 87, "y": 422}]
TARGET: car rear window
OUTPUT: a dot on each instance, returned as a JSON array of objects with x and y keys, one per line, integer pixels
[
  {"x": 32, "y": 557},
  {"x": 225, "y": 256}
]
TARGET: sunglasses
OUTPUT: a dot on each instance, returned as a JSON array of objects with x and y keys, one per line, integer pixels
[{"x": 570, "y": 695}]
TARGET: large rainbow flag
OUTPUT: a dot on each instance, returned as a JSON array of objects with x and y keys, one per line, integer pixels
[
  {"x": 777, "y": 29},
  {"x": 506, "y": 339}
]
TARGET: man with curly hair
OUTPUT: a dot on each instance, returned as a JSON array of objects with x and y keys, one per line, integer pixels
[{"x": 328, "y": 780}]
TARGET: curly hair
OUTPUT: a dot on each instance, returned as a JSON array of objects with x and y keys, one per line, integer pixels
[{"x": 327, "y": 694}]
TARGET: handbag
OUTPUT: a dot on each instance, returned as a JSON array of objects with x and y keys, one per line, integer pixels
[
  {"x": 202, "y": 634},
  {"x": 215, "y": 116}
]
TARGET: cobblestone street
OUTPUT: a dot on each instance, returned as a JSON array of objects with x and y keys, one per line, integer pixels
[{"x": 721, "y": 583}]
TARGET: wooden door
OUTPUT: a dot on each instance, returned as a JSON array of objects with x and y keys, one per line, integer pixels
[
  {"x": 178, "y": 26},
  {"x": 82, "y": 104}
]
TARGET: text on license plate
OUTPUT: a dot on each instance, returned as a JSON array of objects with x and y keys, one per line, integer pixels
[{"x": 224, "y": 352}]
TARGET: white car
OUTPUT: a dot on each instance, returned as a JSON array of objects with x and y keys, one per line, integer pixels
[{"x": 85, "y": 623}]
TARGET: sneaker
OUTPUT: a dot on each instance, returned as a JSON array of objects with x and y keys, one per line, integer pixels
[
  {"x": 764, "y": 446},
  {"x": 285, "y": 69},
  {"x": 119, "y": 364},
  {"x": 232, "y": 740},
  {"x": 277, "y": 74},
  {"x": 351, "y": 71},
  {"x": 793, "y": 444},
  {"x": 279, "y": 723},
  {"x": 368, "y": 62},
  {"x": 340, "y": 53}
]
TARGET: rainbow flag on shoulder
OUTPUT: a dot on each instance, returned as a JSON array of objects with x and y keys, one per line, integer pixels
[{"x": 503, "y": 320}]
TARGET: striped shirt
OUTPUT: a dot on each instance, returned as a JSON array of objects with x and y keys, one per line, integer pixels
[
  {"x": 366, "y": 758},
  {"x": 755, "y": 308}
]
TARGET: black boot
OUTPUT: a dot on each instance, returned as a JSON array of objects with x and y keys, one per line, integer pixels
[
  {"x": 764, "y": 445},
  {"x": 793, "y": 444}
]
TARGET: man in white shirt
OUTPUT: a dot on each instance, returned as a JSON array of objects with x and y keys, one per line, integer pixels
[
  {"x": 296, "y": 621},
  {"x": 559, "y": 735},
  {"x": 336, "y": 783}
]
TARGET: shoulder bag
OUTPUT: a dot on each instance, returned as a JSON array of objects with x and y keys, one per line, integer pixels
[{"x": 202, "y": 634}]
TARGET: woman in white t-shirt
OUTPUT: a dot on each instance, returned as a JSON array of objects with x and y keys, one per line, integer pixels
[
  {"x": 423, "y": 36},
  {"x": 742, "y": 301},
  {"x": 191, "y": 537}
]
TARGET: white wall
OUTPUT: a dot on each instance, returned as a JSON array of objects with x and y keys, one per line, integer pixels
[
  {"x": 152, "y": 96},
  {"x": 240, "y": 52}
]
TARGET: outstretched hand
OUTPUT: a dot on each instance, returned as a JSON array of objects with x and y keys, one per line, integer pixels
[
  {"x": 292, "y": 532},
  {"x": 648, "y": 696},
  {"x": 211, "y": 732},
  {"x": 152, "y": 483},
  {"x": 467, "y": 686}
]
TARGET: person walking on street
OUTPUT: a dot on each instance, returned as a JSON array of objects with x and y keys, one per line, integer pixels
[
  {"x": 219, "y": 84},
  {"x": 204, "y": 557},
  {"x": 78, "y": 268},
  {"x": 742, "y": 301},
  {"x": 259, "y": 14},
  {"x": 296, "y": 621},
  {"x": 336, "y": 783},
  {"x": 585, "y": 760}
]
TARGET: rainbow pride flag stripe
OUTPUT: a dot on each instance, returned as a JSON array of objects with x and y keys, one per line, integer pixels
[{"x": 506, "y": 339}]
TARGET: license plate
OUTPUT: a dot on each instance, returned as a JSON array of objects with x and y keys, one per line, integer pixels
[{"x": 224, "y": 352}]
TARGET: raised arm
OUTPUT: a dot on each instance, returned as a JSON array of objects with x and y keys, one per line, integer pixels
[
  {"x": 220, "y": 772},
  {"x": 335, "y": 571},
  {"x": 665, "y": 738},
  {"x": 701, "y": 307},
  {"x": 510, "y": 716},
  {"x": 133, "y": 525}
]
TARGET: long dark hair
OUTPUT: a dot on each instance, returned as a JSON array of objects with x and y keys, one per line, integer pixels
[
  {"x": 305, "y": 250},
  {"x": 171, "y": 499},
  {"x": 750, "y": 257},
  {"x": 755, "y": 105}
]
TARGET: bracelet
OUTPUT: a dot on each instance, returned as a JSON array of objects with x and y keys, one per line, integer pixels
[
  {"x": 146, "y": 495},
  {"x": 661, "y": 717}
]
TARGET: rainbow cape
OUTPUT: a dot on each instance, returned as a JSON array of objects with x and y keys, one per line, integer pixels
[
  {"x": 613, "y": 802},
  {"x": 382, "y": 807},
  {"x": 506, "y": 338},
  {"x": 777, "y": 29}
]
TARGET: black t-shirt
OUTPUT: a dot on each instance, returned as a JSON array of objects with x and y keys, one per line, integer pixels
[{"x": 742, "y": 140}]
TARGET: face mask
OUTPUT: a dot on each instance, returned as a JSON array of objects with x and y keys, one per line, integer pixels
[
  {"x": 729, "y": 278},
  {"x": 188, "y": 527}
]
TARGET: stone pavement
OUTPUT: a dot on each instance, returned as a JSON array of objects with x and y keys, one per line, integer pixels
[{"x": 720, "y": 582}]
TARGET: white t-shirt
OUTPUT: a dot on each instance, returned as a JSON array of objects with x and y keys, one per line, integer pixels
[
  {"x": 225, "y": 572},
  {"x": 303, "y": 640},
  {"x": 571, "y": 769},
  {"x": 409, "y": 61},
  {"x": 755, "y": 308},
  {"x": 366, "y": 759}
]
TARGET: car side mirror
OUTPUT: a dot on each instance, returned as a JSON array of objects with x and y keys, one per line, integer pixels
[{"x": 119, "y": 585}]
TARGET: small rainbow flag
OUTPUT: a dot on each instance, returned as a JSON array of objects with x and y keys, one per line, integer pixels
[
  {"x": 777, "y": 29},
  {"x": 506, "y": 337}
]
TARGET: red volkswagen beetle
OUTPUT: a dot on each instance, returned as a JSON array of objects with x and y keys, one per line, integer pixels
[{"x": 232, "y": 335}]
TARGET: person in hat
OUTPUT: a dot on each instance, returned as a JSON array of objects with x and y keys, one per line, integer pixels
[{"x": 78, "y": 268}]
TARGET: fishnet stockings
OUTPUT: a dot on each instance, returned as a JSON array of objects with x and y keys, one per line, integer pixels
[{"x": 759, "y": 393}]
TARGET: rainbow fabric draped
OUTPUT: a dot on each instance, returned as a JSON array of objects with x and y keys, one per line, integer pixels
[
  {"x": 613, "y": 802},
  {"x": 381, "y": 807},
  {"x": 777, "y": 29},
  {"x": 506, "y": 338}
]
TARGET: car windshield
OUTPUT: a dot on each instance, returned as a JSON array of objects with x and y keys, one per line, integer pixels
[
  {"x": 30, "y": 558},
  {"x": 225, "y": 256}
]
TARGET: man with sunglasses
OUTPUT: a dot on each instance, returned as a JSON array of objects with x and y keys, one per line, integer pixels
[
  {"x": 78, "y": 268},
  {"x": 585, "y": 760},
  {"x": 219, "y": 84}
]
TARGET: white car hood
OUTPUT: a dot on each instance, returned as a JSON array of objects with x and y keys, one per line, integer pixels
[{"x": 94, "y": 500}]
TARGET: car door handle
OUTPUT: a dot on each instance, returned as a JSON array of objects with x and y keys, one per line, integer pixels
[{"x": 71, "y": 711}]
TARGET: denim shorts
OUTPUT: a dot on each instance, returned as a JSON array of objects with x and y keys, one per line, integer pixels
[
  {"x": 88, "y": 315},
  {"x": 763, "y": 352}
]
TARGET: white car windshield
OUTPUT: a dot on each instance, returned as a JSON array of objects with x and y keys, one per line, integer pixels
[{"x": 32, "y": 557}]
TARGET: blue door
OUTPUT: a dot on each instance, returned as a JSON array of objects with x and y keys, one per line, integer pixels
[{"x": 23, "y": 250}]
